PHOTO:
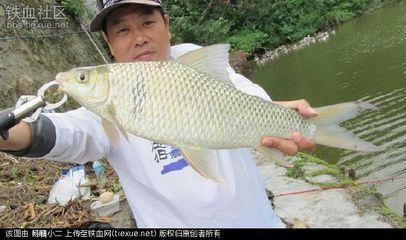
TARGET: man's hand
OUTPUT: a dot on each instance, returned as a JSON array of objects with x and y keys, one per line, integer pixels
[{"x": 297, "y": 141}]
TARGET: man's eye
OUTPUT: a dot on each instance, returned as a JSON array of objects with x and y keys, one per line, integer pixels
[
  {"x": 123, "y": 30},
  {"x": 148, "y": 23}
]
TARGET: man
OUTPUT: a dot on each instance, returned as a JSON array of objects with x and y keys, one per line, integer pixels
[{"x": 161, "y": 191}]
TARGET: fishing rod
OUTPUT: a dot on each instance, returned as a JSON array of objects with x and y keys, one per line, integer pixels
[{"x": 28, "y": 108}]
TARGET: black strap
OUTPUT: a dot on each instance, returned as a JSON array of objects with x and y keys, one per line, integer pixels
[{"x": 42, "y": 141}]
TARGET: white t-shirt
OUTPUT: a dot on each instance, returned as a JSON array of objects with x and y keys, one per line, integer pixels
[{"x": 161, "y": 188}]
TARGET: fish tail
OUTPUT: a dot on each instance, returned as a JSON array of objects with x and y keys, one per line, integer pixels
[{"x": 329, "y": 133}]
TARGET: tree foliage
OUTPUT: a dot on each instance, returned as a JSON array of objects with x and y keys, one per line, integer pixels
[{"x": 252, "y": 24}]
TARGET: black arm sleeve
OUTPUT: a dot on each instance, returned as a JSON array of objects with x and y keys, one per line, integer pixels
[{"x": 42, "y": 141}]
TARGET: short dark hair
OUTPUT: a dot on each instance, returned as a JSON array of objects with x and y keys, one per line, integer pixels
[{"x": 145, "y": 9}]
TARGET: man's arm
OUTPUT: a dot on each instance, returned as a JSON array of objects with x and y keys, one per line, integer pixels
[
  {"x": 75, "y": 136},
  {"x": 34, "y": 139},
  {"x": 19, "y": 138}
]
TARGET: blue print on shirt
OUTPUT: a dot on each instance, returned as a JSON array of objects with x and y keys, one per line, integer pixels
[
  {"x": 175, "y": 153},
  {"x": 170, "y": 156},
  {"x": 178, "y": 165}
]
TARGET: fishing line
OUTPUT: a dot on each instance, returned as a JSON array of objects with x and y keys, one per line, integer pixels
[{"x": 339, "y": 186}]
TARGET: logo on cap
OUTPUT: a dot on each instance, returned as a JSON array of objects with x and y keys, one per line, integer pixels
[{"x": 101, "y": 4}]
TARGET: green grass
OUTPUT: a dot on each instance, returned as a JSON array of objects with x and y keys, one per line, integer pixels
[
  {"x": 14, "y": 174},
  {"x": 310, "y": 158},
  {"x": 301, "y": 159},
  {"x": 342, "y": 183},
  {"x": 401, "y": 221},
  {"x": 296, "y": 172},
  {"x": 31, "y": 179},
  {"x": 327, "y": 171},
  {"x": 117, "y": 188}
]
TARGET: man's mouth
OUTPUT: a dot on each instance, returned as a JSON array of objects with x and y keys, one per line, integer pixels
[{"x": 144, "y": 56}]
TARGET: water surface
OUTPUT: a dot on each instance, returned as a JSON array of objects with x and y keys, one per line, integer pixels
[{"x": 364, "y": 60}]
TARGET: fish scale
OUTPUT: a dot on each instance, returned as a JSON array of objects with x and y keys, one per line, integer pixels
[{"x": 196, "y": 109}]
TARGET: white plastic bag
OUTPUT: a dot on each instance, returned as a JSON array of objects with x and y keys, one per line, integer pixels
[{"x": 67, "y": 187}]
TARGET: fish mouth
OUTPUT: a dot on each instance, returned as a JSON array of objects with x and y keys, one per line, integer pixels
[
  {"x": 59, "y": 79},
  {"x": 59, "y": 89}
]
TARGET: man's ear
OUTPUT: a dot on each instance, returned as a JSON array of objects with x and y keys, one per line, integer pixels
[
  {"x": 167, "y": 26},
  {"x": 106, "y": 39}
]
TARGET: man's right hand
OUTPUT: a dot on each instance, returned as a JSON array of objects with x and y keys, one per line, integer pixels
[{"x": 297, "y": 141}]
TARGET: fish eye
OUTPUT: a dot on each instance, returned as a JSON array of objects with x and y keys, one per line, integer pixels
[{"x": 82, "y": 77}]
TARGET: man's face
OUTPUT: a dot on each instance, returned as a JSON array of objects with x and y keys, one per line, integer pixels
[{"x": 135, "y": 34}]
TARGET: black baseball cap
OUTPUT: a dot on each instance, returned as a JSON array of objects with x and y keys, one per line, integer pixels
[{"x": 104, "y": 7}]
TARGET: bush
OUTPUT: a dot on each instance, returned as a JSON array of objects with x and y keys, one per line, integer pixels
[
  {"x": 252, "y": 24},
  {"x": 247, "y": 40},
  {"x": 75, "y": 8},
  {"x": 214, "y": 31}
]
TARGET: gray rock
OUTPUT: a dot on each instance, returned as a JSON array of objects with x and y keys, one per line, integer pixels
[
  {"x": 322, "y": 179},
  {"x": 332, "y": 208},
  {"x": 312, "y": 167}
]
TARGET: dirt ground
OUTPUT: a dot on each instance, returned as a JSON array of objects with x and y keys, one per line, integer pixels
[{"x": 25, "y": 186}]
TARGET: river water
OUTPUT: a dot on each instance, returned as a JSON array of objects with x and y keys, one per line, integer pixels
[{"x": 364, "y": 60}]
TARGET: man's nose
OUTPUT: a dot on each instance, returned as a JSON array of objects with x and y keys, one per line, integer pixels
[{"x": 139, "y": 38}]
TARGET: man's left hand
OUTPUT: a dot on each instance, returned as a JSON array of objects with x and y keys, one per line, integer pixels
[{"x": 297, "y": 141}]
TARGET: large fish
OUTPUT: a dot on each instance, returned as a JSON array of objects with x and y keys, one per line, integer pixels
[{"x": 191, "y": 103}]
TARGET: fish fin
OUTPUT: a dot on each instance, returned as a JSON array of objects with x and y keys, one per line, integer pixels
[
  {"x": 112, "y": 117},
  {"x": 340, "y": 112},
  {"x": 109, "y": 124},
  {"x": 329, "y": 133},
  {"x": 211, "y": 60},
  {"x": 111, "y": 132},
  {"x": 203, "y": 161},
  {"x": 274, "y": 154}
]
